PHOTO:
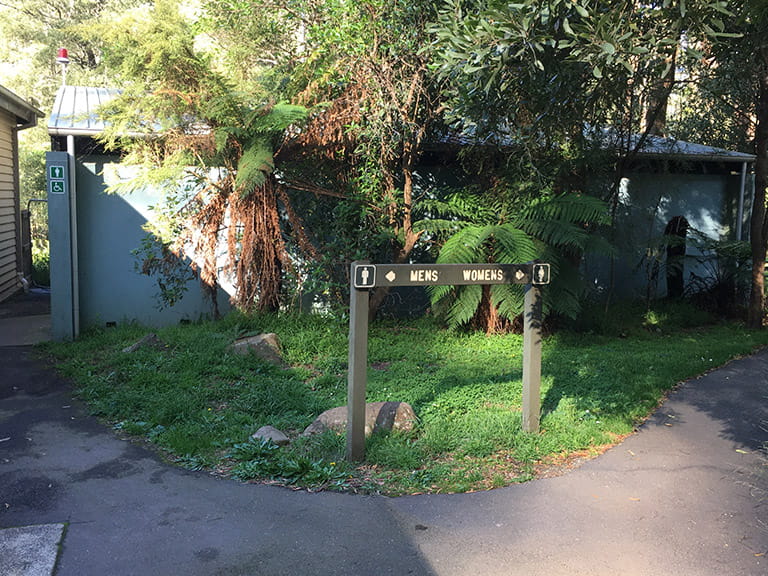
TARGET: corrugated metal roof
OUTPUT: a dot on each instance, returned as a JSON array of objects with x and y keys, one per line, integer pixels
[
  {"x": 76, "y": 110},
  {"x": 653, "y": 146}
]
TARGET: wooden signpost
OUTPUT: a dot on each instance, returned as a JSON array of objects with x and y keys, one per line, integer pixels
[{"x": 366, "y": 276}]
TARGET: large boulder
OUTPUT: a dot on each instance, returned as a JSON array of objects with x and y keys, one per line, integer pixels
[
  {"x": 264, "y": 346},
  {"x": 378, "y": 416}
]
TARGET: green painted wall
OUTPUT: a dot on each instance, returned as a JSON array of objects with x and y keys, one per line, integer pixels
[
  {"x": 647, "y": 202},
  {"x": 109, "y": 230}
]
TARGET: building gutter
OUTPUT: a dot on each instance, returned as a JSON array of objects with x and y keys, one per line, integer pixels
[
  {"x": 742, "y": 194},
  {"x": 73, "y": 132}
]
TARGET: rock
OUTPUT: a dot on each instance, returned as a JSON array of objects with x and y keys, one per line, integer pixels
[
  {"x": 264, "y": 346},
  {"x": 271, "y": 433},
  {"x": 150, "y": 340},
  {"x": 378, "y": 416}
]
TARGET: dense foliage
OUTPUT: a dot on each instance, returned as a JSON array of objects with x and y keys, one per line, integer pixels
[{"x": 320, "y": 113}]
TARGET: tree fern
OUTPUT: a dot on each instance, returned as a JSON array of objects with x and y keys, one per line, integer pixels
[
  {"x": 567, "y": 208},
  {"x": 549, "y": 228}
]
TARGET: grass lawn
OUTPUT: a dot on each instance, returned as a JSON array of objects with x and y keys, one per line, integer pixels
[{"x": 200, "y": 403}]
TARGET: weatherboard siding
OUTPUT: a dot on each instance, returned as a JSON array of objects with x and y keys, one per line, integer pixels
[{"x": 9, "y": 282}]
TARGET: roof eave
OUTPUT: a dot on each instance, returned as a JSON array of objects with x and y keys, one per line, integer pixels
[
  {"x": 26, "y": 115},
  {"x": 740, "y": 159}
]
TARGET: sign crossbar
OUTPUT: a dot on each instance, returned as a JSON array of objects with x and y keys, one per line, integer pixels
[{"x": 377, "y": 275}]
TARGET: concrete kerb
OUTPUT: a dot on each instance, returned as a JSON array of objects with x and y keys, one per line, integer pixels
[{"x": 30, "y": 550}]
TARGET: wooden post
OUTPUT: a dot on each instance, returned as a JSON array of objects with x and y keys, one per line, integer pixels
[
  {"x": 357, "y": 374},
  {"x": 532, "y": 317}
]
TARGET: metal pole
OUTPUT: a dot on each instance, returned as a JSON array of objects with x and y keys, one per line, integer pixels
[
  {"x": 532, "y": 315},
  {"x": 740, "y": 212},
  {"x": 358, "y": 368},
  {"x": 75, "y": 259}
]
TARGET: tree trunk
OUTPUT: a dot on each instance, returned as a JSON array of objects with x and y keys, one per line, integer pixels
[
  {"x": 259, "y": 271},
  {"x": 402, "y": 252},
  {"x": 759, "y": 220},
  {"x": 487, "y": 317},
  {"x": 655, "y": 121}
]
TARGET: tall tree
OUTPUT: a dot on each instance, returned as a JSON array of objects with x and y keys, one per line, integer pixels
[
  {"x": 545, "y": 72},
  {"x": 750, "y": 52},
  {"x": 726, "y": 104},
  {"x": 587, "y": 80},
  {"x": 31, "y": 32}
]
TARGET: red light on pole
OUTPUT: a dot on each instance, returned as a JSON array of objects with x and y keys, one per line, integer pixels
[{"x": 63, "y": 58}]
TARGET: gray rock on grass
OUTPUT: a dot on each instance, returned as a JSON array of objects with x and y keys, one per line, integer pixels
[
  {"x": 271, "y": 433},
  {"x": 398, "y": 416},
  {"x": 264, "y": 346},
  {"x": 150, "y": 340}
]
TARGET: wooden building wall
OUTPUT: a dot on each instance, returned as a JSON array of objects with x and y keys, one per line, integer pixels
[{"x": 9, "y": 207}]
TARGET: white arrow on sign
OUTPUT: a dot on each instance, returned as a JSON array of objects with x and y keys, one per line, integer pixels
[{"x": 391, "y": 276}]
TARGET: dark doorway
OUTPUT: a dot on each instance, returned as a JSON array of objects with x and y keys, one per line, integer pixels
[{"x": 675, "y": 235}]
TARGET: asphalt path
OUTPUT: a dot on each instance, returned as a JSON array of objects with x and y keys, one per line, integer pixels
[{"x": 686, "y": 495}]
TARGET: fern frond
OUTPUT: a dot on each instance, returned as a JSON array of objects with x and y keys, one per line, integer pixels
[
  {"x": 513, "y": 245},
  {"x": 438, "y": 293},
  {"x": 438, "y": 226},
  {"x": 276, "y": 119},
  {"x": 508, "y": 299},
  {"x": 568, "y": 208},
  {"x": 458, "y": 206},
  {"x": 566, "y": 291},
  {"x": 254, "y": 166},
  {"x": 466, "y": 245},
  {"x": 464, "y": 306},
  {"x": 221, "y": 137},
  {"x": 557, "y": 233}
]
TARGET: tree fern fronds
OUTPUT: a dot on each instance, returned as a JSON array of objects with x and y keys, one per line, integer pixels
[
  {"x": 464, "y": 246},
  {"x": 464, "y": 306},
  {"x": 221, "y": 137},
  {"x": 437, "y": 293},
  {"x": 275, "y": 119},
  {"x": 457, "y": 206},
  {"x": 515, "y": 246},
  {"x": 568, "y": 208},
  {"x": 564, "y": 300},
  {"x": 438, "y": 226},
  {"x": 254, "y": 166},
  {"x": 508, "y": 299},
  {"x": 566, "y": 290},
  {"x": 556, "y": 233}
]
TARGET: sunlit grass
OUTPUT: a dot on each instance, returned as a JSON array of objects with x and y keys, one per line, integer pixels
[{"x": 201, "y": 403}]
